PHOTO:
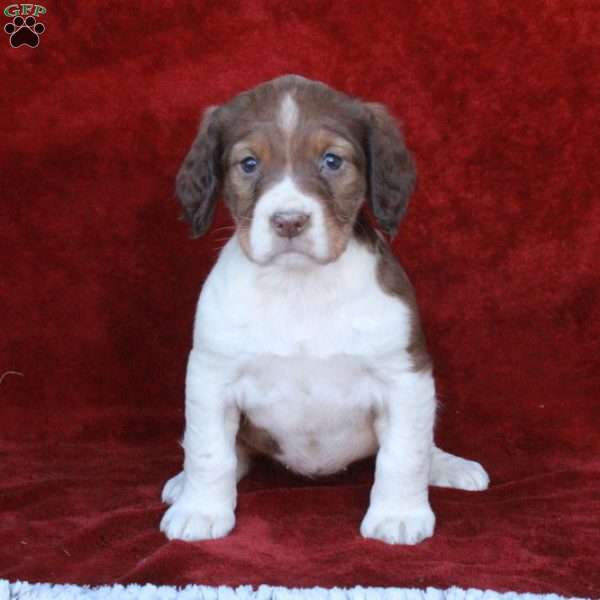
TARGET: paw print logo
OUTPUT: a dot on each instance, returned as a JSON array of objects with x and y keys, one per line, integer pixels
[{"x": 24, "y": 32}]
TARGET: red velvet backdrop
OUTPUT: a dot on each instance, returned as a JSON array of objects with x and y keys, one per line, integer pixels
[{"x": 99, "y": 282}]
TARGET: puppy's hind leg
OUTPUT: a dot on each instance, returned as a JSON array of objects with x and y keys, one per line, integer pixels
[
  {"x": 451, "y": 471},
  {"x": 173, "y": 488}
]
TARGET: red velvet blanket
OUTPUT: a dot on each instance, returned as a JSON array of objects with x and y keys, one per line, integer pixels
[{"x": 500, "y": 105}]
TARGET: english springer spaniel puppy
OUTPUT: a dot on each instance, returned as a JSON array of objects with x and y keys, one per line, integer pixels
[{"x": 307, "y": 342}]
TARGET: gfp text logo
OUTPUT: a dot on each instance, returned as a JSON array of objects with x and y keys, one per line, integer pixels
[{"x": 24, "y": 29}]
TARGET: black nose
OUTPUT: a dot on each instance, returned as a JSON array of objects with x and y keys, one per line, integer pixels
[{"x": 290, "y": 223}]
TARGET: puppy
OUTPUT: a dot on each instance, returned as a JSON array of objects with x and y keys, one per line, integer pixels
[{"x": 307, "y": 342}]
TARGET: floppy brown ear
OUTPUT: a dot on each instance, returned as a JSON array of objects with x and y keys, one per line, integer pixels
[
  {"x": 392, "y": 173},
  {"x": 197, "y": 184}
]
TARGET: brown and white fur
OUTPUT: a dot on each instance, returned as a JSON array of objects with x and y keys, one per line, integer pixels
[{"x": 307, "y": 343}]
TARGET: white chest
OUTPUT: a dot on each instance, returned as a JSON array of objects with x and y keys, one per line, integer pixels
[
  {"x": 305, "y": 352},
  {"x": 339, "y": 308}
]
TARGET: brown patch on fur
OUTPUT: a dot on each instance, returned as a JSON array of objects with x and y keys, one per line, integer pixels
[
  {"x": 257, "y": 439},
  {"x": 392, "y": 173},
  {"x": 394, "y": 281}
]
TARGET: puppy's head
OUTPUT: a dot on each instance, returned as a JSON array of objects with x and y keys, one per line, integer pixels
[{"x": 295, "y": 160}]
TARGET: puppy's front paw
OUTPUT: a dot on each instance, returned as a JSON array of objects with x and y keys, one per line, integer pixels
[
  {"x": 452, "y": 471},
  {"x": 407, "y": 527},
  {"x": 173, "y": 489},
  {"x": 185, "y": 522}
]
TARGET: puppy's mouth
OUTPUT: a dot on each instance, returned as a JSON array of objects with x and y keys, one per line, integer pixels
[
  {"x": 287, "y": 252},
  {"x": 293, "y": 252}
]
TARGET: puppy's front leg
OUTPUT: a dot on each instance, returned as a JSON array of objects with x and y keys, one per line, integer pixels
[
  {"x": 204, "y": 508},
  {"x": 399, "y": 511}
]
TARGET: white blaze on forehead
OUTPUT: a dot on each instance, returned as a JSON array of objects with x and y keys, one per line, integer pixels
[
  {"x": 286, "y": 196},
  {"x": 288, "y": 113}
]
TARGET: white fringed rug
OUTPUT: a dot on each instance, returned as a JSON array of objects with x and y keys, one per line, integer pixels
[{"x": 45, "y": 591}]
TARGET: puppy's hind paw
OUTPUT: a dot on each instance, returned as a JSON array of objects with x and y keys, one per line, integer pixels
[
  {"x": 191, "y": 524},
  {"x": 173, "y": 489},
  {"x": 452, "y": 471}
]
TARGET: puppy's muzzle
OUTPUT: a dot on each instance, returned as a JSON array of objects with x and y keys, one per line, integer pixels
[{"x": 289, "y": 224}]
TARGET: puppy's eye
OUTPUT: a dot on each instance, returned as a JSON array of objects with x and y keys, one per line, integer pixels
[
  {"x": 249, "y": 164},
  {"x": 331, "y": 161}
]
